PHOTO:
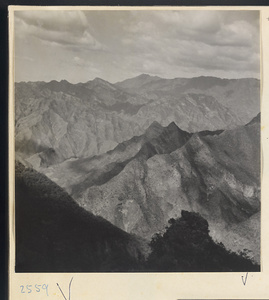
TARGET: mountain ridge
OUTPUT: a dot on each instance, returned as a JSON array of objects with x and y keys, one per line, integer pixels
[
  {"x": 156, "y": 139},
  {"x": 56, "y": 121},
  {"x": 225, "y": 91},
  {"x": 197, "y": 176}
]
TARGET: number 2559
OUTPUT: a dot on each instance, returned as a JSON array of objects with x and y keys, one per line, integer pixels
[{"x": 36, "y": 288}]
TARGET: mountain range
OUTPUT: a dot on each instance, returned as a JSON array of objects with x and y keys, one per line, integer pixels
[
  {"x": 56, "y": 121},
  {"x": 230, "y": 93},
  {"x": 139, "y": 152},
  {"x": 140, "y": 186}
]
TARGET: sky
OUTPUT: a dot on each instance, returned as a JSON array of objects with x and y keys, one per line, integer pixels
[{"x": 79, "y": 46}]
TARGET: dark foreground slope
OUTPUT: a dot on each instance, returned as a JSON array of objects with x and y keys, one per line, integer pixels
[{"x": 54, "y": 234}]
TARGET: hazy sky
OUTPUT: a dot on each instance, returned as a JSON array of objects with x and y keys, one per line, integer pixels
[{"x": 114, "y": 45}]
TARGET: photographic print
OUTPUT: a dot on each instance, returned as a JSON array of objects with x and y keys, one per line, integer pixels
[{"x": 137, "y": 140}]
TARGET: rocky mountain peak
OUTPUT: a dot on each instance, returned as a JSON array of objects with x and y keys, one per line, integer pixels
[
  {"x": 173, "y": 126},
  {"x": 58, "y": 86},
  {"x": 99, "y": 82},
  {"x": 155, "y": 125},
  {"x": 147, "y": 76},
  {"x": 137, "y": 82},
  {"x": 143, "y": 76},
  {"x": 154, "y": 129}
]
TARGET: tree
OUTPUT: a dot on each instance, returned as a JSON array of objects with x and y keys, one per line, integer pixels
[{"x": 187, "y": 246}]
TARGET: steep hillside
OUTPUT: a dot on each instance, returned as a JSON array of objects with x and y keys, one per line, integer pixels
[
  {"x": 244, "y": 232},
  {"x": 54, "y": 234},
  {"x": 215, "y": 174},
  {"x": 56, "y": 121},
  {"x": 82, "y": 173}
]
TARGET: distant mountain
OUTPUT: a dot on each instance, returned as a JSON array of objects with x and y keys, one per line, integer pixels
[
  {"x": 240, "y": 96},
  {"x": 56, "y": 121},
  {"x": 216, "y": 174},
  {"x": 134, "y": 84},
  {"x": 54, "y": 234}
]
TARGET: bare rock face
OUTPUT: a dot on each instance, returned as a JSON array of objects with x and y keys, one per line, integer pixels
[
  {"x": 56, "y": 121},
  {"x": 216, "y": 175}
]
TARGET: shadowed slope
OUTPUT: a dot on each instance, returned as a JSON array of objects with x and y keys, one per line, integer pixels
[{"x": 54, "y": 234}]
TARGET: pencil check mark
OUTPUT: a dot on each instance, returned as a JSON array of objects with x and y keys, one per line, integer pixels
[
  {"x": 69, "y": 297},
  {"x": 244, "y": 280}
]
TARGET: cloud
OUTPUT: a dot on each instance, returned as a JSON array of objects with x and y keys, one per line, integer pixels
[
  {"x": 116, "y": 45},
  {"x": 210, "y": 27},
  {"x": 55, "y": 20},
  {"x": 191, "y": 21},
  {"x": 65, "y": 28},
  {"x": 208, "y": 40},
  {"x": 83, "y": 63}
]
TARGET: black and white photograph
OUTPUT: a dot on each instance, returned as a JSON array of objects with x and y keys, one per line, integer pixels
[{"x": 137, "y": 140}]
